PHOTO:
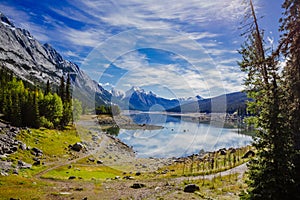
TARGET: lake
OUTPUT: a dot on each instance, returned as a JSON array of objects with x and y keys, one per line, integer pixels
[{"x": 178, "y": 137}]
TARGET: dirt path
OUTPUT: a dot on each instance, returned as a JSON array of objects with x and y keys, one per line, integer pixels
[{"x": 59, "y": 164}]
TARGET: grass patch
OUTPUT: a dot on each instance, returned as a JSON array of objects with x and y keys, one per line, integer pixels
[
  {"x": 211, "y": 163},
  {"x": 83, "y": 172},
  {"x": 51, "y": 142},
  {"x": 223, "y": 188},
  {"x": 21, "y": 188}
]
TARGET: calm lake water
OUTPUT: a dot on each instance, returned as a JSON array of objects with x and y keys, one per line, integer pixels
[{"x": 178, "y": 137}]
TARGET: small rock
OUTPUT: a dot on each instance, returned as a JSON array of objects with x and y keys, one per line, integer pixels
[
  {"x": 3, "y": 173},
  {"x": 138, "y": 173},
  {"x": 117, "y": 177},
  {"x": 191, "y": 188},
  {"x": 91, "y": 159},
  {"x": 22, "y": 146},
  {"x": 15, "y": 171},
  {"x": 79, "y": 189},
  {"x": 65, "y": 193},
  {"x": 138, "y": 185},
  {"x": 35, "y": 159},
  {"x": 85, "y": 198},
  {"x": 99, "y": 162},
  {"x": 72, "y": 177},
  {"x": 128, "y": 177},
  {"x": 36, "y": 163},
  {"x": 223, "y": 152}
]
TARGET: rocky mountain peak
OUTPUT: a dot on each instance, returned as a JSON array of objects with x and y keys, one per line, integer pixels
[{"x": 5, "y": 20}]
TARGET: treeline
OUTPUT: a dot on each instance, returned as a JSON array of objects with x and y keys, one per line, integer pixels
[
  {"x": 108, "y": 110},
  {"x": 32, "y": 107}
]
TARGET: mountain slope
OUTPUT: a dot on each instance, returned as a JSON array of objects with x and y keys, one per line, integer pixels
[
  {"x": 137, "y": 99},
  {"x": 226, "y": 102},
  {"x": 35, "y": 63}
]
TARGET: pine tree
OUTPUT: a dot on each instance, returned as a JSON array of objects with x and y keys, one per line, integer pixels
[
  {"x": 271, "y": 172},
  {"x": 67, "y": 104},
  {"x": 290, "y": 48},
  {"x": 61, "y": 91},
  {"x": 68, "y": 90},
  {"x": 48, "y": 88},
  {"x": 16, "y": 116}
]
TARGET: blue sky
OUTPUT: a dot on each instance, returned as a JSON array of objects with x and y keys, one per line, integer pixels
[{"x": 174, "y": 48}]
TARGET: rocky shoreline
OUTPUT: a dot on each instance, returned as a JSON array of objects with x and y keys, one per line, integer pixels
[{"x": 124, "y": 122}]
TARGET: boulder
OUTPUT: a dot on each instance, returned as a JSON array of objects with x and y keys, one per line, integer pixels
[
  {"x": 24, "y": 165},
  {"x": 37, "y": 152},
  {"x": 138, "y": 185},
  {"x": 77, "y": 146},
  {"x": 191, "y": 188}
]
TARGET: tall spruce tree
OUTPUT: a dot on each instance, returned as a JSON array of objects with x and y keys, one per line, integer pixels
[
  {"x": 62, "y": 89},
  {"x": 290, "y": 48},
  {"x": 67, "y": 104},
  {"x": 271, "y": 172},
  {"x": 35, "y": 111},
  {"x": 48, "y": 88}
]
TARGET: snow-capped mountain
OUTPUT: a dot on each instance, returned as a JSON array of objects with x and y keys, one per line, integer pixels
[
  {"x": 118, "y": 94},
  {"x": 34, "y": 62},
  {"x": 190, "y": 99},
  {"x": 138, "y": 99}
]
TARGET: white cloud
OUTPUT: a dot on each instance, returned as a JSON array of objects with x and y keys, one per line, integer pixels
[{"x": 195, "y": 25}]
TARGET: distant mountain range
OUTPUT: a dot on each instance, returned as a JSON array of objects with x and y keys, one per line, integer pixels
[
  {"x": 138, "y": 99},
  {"x": 38, "y": 63},
  {"x": 227, "y": 102}
]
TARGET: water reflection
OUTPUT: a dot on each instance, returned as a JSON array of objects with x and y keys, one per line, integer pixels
[{"x": 178, "y": 137}]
